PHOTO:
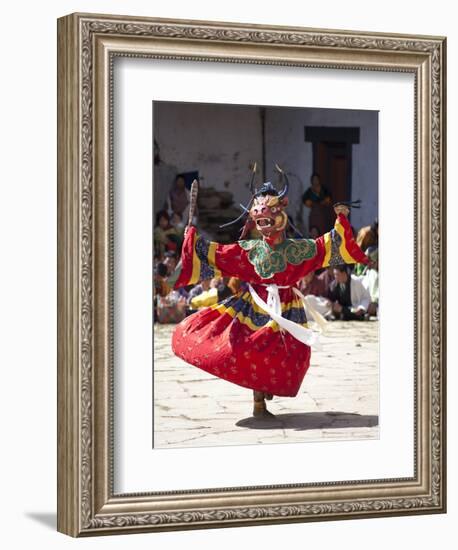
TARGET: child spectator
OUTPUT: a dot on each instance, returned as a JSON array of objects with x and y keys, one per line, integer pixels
[{"x": 166, "y": 236}]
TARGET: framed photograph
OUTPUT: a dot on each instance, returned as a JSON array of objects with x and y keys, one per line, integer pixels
[
  {"x": 334, "y": 150},
  {"x": 231, "y": 349}
]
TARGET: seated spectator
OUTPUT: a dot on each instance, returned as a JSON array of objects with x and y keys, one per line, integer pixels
[
  {"x": 222, "y": 286},
  {"x": 169, "y": 304},
  {"x": 360, "y": 269},
  {"x": 312, "y": 284},
  {"x": 170, "y": 262},
  {"x": 205, "y": 298},
  {"x": 350, "y": 299},
  {"x": 198, "y": 289},
  {"x": 166, "y": 237},
  {"x": 368, "y": 236},
  {"x": 369, "y": 279},
  {"x": 171, "y": 308},
  {"x": 178, "y": 224},
  {"x": 326, "y": 276},
  {"x": 209, "y": 292},
  {"x": 315, "y": 292},
  {"x": 173, "y": 267},
  {"x": 235, "y": 285},
  {"x": 161, "y": 287}
]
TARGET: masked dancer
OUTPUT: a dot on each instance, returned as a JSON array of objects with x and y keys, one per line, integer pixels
[{"x": 259, "y": 338}]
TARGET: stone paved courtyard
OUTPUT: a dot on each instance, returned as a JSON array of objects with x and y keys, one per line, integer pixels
[{"x": 338, "y": 398}]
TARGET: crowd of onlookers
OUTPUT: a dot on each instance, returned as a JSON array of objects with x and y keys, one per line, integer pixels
[
  {"x": 347, "y": 292},
  {"x": 342, "y": 292}
]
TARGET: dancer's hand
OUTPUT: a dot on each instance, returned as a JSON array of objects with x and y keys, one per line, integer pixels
[{"x": 341, "y": 209}]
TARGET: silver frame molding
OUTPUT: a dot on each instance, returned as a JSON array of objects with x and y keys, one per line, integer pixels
[{"x": 87, "y": 45}]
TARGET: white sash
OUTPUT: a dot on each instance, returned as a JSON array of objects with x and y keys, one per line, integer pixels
[{"x": 273, "y": 308}]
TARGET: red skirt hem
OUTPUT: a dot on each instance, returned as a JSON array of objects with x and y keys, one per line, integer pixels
[{"x": 263, "y": 360}]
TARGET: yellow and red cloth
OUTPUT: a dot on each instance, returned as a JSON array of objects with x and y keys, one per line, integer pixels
[{"x": 237, "y": 340}]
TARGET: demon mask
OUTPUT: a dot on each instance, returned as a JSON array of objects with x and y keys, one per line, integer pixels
[{"x": 268, "y": 211}]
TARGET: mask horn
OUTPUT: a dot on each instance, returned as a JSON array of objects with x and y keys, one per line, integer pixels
[
  {"x": 253, "y": 175},
  {"x": 245, "y": 209},
  {"x": 284, "y": 191},
  {"x": 244, "y": 213}
]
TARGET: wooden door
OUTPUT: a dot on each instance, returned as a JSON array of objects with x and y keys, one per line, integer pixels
[{"x": 333, "y": 163}]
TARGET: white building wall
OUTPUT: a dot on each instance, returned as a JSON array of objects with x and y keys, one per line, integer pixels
[
  {"x": 219, "y": 142},
  {"x": 223, "y": 142},
  {"x": 285, "y": 144}
]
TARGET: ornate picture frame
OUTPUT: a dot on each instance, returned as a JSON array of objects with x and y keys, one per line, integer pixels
[{"x": 87, "y": 46}]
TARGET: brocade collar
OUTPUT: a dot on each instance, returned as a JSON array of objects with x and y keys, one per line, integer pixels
[{"x": 268, "y": 260}]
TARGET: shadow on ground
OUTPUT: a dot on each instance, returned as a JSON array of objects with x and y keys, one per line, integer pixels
[{"x": 310, "y": 421}]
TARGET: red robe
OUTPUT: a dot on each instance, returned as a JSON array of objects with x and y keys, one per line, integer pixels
[{"x": 235, "y": 339}]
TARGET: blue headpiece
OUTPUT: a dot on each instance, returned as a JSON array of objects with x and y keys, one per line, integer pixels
[{"x": 266, "y": 189}]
